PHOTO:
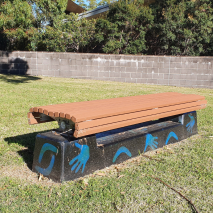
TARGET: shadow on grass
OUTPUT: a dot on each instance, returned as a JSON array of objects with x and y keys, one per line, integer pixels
[
  {"x": 14, "y": 70},
  {"x": 28, "y": 141},
  {"x": 17, "y": 79}
]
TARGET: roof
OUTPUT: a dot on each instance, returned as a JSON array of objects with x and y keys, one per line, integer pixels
[
  {"x": 74, "y": 8},
  {"x": 95, "y": 13}
]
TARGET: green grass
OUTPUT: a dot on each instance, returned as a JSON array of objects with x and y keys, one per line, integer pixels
[{"x": 186, "y": 166}]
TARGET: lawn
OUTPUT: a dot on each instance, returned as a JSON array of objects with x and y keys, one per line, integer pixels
[{"x": 133, "y": 186}]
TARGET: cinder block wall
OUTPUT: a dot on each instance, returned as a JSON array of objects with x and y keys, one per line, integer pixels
[{"x": 160, "y": 70}]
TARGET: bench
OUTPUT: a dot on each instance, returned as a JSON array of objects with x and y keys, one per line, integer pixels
[{"x": 96, "y": 134}]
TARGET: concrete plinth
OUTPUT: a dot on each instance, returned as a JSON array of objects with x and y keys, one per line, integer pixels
[{"x": 63, "y": 157}]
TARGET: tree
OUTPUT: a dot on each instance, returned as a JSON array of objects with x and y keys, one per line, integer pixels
[
  {"x": 180, "y": 27},
  {"x": 72, "y": 35},
  {"x": 168, "y": 27},
  {"x": 47, "y": 10},
  {"x": 44, "y": 29},
  {"x": 16, "y": 19},
  {"x": 124, "y": 29}
]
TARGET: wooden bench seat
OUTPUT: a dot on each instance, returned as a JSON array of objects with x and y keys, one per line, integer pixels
[{"x": 96, "y": 116}]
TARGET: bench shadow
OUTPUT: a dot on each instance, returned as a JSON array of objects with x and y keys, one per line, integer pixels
[{"x": 28, "y": 141}]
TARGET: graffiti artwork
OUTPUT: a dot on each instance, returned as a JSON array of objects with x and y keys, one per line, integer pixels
[
  {"x": 191, "y": 123},
  {"x": 171, "y": 134},
  {"x": 105, "y": 149},
  {"x": 82, "y": 158},
  {"x": 121, "y": 150},
  {"x": 150, "y": 141},
  {"x": 45, "y": 148}
]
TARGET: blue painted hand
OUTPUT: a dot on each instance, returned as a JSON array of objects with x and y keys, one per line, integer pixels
[
  {"x": 82, "y": 158},
  {"x": 190, "y": 124},
  {"x": 150, "y": 141}
]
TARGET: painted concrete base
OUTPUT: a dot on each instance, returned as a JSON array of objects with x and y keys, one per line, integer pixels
[{"x": 63, "y": 157}]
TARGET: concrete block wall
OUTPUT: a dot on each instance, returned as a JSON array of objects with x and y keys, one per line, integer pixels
[{"x": 160, "y": 70}]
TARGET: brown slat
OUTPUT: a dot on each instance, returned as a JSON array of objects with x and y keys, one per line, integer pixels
[
  {"x": 56, "y": 114},
  {"x": 34, "y": 118},
  {"x": 45, "y": 112},
  {"x": 31, "y": 118},
  {"x": 62, "y": 115},
  {"x": 40, "y": 110},
  {"x": 128, "y": 108},
  {"x": 118, "y": 112},
  {"x": 107, "y": 127},
  {"x": 82, "y": 106},
  {"x": 119, "y": 118},
  {"x": 51, "y": 114},
  {"x": 134, "y": 100},
  {"x": 68, "y": 116},
  {"x": 112, "y": 106},
  {"x": 35, "y": 109}
]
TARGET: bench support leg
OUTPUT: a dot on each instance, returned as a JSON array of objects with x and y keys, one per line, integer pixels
[{"x": 62, "y": 159}]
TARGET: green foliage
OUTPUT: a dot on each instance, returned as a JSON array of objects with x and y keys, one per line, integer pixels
[
  {"x": 124, "y": 29},
  {"x": 168, "y": 27},
  {"x": 67, "y": 34},
  {"x": 15, "y": 14},
  {"x": 79, "y": 32},
  {"x": 44, "y": 31},
  {"x": 164, "y": 27},
  {"x": 15, "y": 20},
  {"x": 181, "y": 27},
  {"x": 48, "y": 10}
]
